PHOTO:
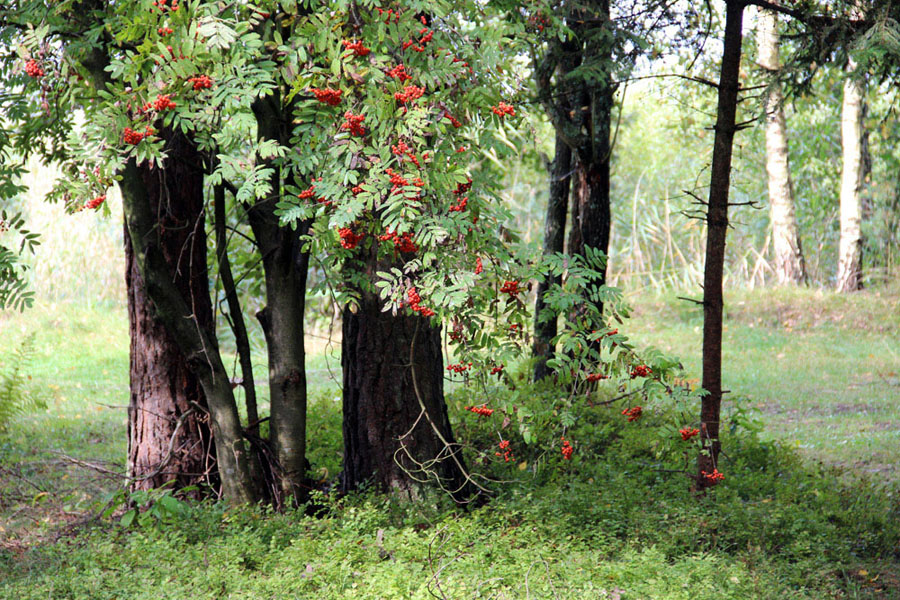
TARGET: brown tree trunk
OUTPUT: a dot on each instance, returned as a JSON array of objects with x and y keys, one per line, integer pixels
[
  {"x": 396, "y": 430},
  {"x": 789, "y": 264},
  {"x": 168, "y": 437},
  {"x": 285, "y": 267},
  {"x": 717, "y": 228},
  {"x": 554, "y": 237},
  {"x": 849, "y": 276}
]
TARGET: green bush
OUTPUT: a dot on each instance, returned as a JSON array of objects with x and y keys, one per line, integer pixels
[{"x": 16, "y": 395}]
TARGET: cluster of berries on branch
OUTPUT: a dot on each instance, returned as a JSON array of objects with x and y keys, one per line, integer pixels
[
  {"x": 503, "y": 109},
  {"x": 511, "y": 288},
  {"x": 327, "y": 96},
  {"x": 567, "y": 449},
  {"x": 409, "y": 93},
  {"x": 33, "y": 69},
  {"x": 634, "y": 413},
  {"x": 641, "y": 371},
  {"x": 688, "y": 432},
  {"x": 201, "y": 82},
  {"x": 356, "y": 47},
  {"x": 592, "y": 377},
  {"x": 399, "y": 73},
  {"x": 95, "y": 202},
  {"x": 162, "y": 102},
  {"x": 163, "y": 6},
  {"x": 130, "y": 136},
  {"x": 459, "y": 368},
  {"x": 414, "y": 303},
  {"x": 354, "y": 124},
  {"x": 506, "y": 451},
  {"x": 714, "y": 477},
  {"x": 402, "y": 243},
  {"x": 482, "y": 410},
  {"x": 349, "y": 239}
]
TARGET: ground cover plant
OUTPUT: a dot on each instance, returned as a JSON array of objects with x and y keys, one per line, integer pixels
[{"x": 608, "y": 521}]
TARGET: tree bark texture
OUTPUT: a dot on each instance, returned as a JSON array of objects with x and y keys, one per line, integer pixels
[
  {"x": 717, "y": 228},
  {"x": 790, "y": 267},
  {"x": 168, "y": 437},
  {"x": 554, "y": 240},
  {"x": 285, "y": 268},
  {"x": 397, "y": 433},
  {"x": 849, "y": 276},
  {"x": 197, "y": 343}
]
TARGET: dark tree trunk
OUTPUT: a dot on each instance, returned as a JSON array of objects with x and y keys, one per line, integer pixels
[
  {"x": 591, "y": 213},
  {"x": 168, "y": 437},
  {"x": 396, "y": 429},
  {"x": 554, "y": 239},
  {"x": 717, "y": 228},
  {"x": 285, "y": 267}
]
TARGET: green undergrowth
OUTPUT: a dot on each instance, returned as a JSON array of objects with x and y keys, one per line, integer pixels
[
  {"x": 603, "y": 525},
  {"x": 799, "y": 514}
]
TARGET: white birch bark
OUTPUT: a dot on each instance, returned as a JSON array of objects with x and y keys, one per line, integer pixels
[
  {"x": 849, "y": 276},
  {"x": 789, "y": 264}
]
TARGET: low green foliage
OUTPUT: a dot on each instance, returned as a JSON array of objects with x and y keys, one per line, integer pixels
[{"x": 16, "y": 395}]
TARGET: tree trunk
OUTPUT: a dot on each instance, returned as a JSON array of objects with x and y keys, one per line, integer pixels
[
  {"x": 197, "y": 343},
  {"x": 554, "y": 238},
  {"x": 396, "y": 430},
  {"x": 591, "y": 216},
  {"x": 285, "y": 268},
  {"x": 717, "y": 228},
  {"x": 849, "y": 276},
  {"x": 789, "y": 264},
  {"x": 168, "y": 438}
]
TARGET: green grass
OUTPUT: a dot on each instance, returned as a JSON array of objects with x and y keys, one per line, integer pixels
[
  {"x": 821, "y": 369},
  {"x": 603, "y": 526}
]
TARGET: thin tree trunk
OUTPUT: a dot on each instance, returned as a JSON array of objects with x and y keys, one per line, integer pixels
[
  {"x": 396, "y": 429},
  {"x": 849, "y": 276},
  {"x": 554, "y": 238},
  {"x": 789, "y": 264},
  {"x": 197, "y": 343},
  {"x": 285, "y": 268},
  {"x": 717, "y": 228}
]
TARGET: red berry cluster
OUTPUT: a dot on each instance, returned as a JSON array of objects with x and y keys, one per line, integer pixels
[
  {"x": 461, "y": 205},
  {"x": 310, "y": 193},
  {"x": 688, "y": 432},
  {"x": 461, "y": 149},
  {"x": 537, "y": 22},
  {"x": 350, "y": 240},
  {"x": 399, "y": 73},
  {"x": 567, "y": 449},
  {"x": 503, "y": 109},
  {"x": 482, "y": 410},
  {"x": 164, "y": 31},
  {"x": 414, "y": 301},
  {"x": 478, "y": 266},
  {"x": 511, "y": 288},
  {"x": 592, "y": 377},
  {"x": 201, "y": 82},
  {"x": 714, "y": 477},
  {"x": 94, "y": 203},
  {"x": 459, "y": 368},
  {"x": 514, "y": 327},
  {"x": 507, "y": 453},
  {"x": 391, "y": 14},
  {"x": 453, "y": 121},
  {"x": 409, "y": 93},
  {"x": 419, "y": 46},
  {"x": 357, "y": 47},
  {"x": 402, "y": 243},
  {"x": 633, "y": 413},
  {"x": 462, "y": 188},
  {"x": 161, "y": 6},
  {"x": 641, "y": 371},
  {"x": 130, "y": 136},
  {"x": 497, "y": 370},
  {"x": 397, "y": 180},
  {"x": 354, "y": 124},
  {"x": 33, "y": 69},
  {"x": 162, "y": 102},
  {"x": 356, "y": 189},
  {"x": 402, "y": 149},
  {"x": 327, "y": 96}
]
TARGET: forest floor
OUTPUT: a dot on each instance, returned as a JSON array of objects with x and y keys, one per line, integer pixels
[{"x": 820, "y": 372}]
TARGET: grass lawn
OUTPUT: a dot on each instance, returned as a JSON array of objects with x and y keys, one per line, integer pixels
[{"x": 819, "y": 370}]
